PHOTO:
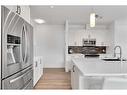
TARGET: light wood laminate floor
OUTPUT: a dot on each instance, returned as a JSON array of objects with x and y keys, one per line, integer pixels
[{"x": 54, "y": 79}]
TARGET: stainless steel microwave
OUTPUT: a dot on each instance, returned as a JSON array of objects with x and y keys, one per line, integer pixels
[{"x": 89, "y": 42}]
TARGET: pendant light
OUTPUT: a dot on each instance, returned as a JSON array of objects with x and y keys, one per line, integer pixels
[{"x": 92, "y": 19}]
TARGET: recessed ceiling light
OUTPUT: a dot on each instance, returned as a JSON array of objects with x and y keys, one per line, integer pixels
[{"x": 39, "y": 21}]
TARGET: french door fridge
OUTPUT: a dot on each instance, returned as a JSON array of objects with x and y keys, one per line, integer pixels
[{"x": 17, "y": 51}]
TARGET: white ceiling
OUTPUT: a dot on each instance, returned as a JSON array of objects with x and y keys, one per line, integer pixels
[{"x": 77, "y": 14}]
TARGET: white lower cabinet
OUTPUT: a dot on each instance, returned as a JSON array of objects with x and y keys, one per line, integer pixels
[
  {"x": 74, "y": 78},
  {"x": 69, "y": 59},
  {"x": 38, "y": 69},
  {"x": 77, "y": 79}
]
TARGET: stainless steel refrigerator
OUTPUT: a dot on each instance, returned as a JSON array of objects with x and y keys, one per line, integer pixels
[{"x": 17, "y": 51}]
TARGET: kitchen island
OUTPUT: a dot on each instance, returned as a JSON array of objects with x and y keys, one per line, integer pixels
[{"x": 90, "y": 73}]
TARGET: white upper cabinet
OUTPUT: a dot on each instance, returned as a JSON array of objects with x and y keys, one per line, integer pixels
[
  {"x": 77, "y": 33},
  {"x": 25, "y": 11}
]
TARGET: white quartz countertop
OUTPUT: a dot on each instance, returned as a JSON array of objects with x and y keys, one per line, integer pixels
[{"x": 98, "y": 67}]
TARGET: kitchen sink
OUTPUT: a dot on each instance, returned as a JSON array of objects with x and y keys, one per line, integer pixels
[{"x": 114, "y": 59}]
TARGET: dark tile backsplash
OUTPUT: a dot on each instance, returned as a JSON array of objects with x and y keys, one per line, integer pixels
[{"x": 87, "y": 49}]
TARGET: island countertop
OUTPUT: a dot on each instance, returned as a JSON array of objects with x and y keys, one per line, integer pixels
[{"x": 98, "y": 67}]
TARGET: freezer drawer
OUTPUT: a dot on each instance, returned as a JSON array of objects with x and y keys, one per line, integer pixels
[{"x": 22, "y": 80}]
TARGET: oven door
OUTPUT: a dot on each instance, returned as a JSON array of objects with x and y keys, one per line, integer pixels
[{"x": 21, "y": 80}]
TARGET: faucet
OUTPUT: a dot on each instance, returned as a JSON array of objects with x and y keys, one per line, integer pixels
[{"x": 120, "y": 53}]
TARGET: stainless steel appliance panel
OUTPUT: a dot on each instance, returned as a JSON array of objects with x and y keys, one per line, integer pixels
[
  {"x": 27, "y": 46},
  {"x": 10, "y": 69},
  {"x": 17, "y": 51},
  {"x": 21, "y": 80}
]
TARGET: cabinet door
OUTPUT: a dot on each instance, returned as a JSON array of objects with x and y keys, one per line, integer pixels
[
  {"x": 40, "y": 64},
  {"x": 76, "y": 78},
  {"x": 35, "y": 68},
  {"x": 38, "y": 69},
  {"x": 72, "y": 79}
]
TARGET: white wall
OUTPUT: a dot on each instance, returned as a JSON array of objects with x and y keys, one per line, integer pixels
[
  {"x": 49, "y": 43},
  {"x": 121, "y": 35},
  {"x": 118, "y": 32},
  {"x": 111, "y": 39}
]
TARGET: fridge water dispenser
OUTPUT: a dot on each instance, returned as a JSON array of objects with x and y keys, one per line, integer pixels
[{"x": 13, "y": 49}]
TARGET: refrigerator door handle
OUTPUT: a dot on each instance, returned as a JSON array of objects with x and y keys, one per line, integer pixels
[
  {"x": 19, "y": 77},
  {"x": 21, "y": 50},
  {"x": 25, "y": 57},
  {"x": 22, "y": 45}
]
